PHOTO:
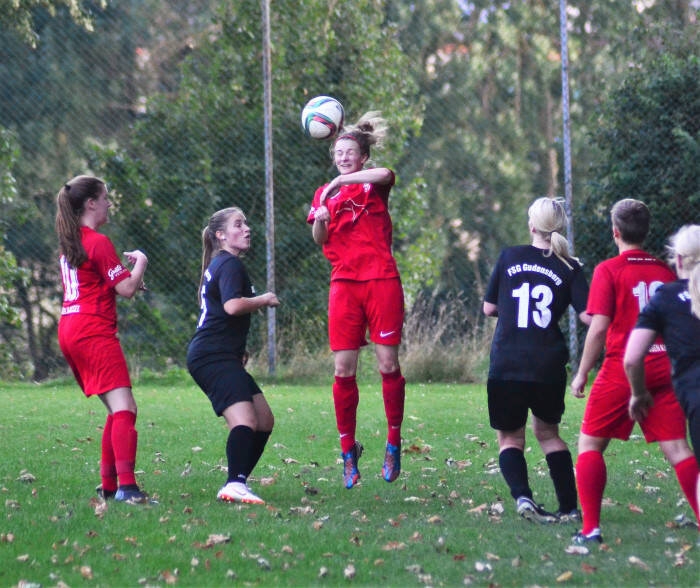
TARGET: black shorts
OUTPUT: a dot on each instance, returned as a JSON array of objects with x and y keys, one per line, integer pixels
[
  {"x": 224, "y": 383},
  {"x": 510, "y": 400}
]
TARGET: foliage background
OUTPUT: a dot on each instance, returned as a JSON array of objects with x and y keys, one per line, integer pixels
[{"x": 165, "y": 101}]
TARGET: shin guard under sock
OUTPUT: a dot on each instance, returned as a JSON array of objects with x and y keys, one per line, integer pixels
[
  {"x": 239, "y": 448},
  {"x": 259, "y": 441},
  {"x": 124, "y": 442},
  {"x": 561, "y": 470},
  {"x": 108, "y": 469},
  {"x": 394, "y": 394},
  {"x": 346, "y": 397},
  {"x": 591, "y": 477},
  {"x": 514, "y": 469},
  {"x": 687, "y": 474}
]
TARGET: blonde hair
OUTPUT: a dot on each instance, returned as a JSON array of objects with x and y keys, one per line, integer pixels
[
  {"x": 210, "y": 244},
  {"x": 548, "y": 217},
  {"x": 370, "y": 130},
  {"x": 686, "y": 244}
]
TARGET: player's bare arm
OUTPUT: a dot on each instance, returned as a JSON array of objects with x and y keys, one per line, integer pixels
[
  {"x": 637, "y": 346},
  {"x": 592, "y": 348},
  {"x": 239, "y": 306}
]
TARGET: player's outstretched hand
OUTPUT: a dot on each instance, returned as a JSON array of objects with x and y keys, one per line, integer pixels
[
  {"x": 578, "y": 385},
  {"x": 640, "y": 405}
]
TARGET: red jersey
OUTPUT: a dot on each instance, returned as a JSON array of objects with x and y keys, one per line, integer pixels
[
  {"x": 620, "y": 288},
  {"x": 359, "y": 232},
  {"x": 89, "y": 289}
]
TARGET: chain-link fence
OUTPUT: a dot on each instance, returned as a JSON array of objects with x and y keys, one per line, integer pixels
[{"x": 164, "y": 100}]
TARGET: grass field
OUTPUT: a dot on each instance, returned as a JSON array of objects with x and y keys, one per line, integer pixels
[{"x": 447, "y": 521}]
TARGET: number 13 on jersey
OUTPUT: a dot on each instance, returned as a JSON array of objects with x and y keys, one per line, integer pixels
[{"x": 533, "y": 302}]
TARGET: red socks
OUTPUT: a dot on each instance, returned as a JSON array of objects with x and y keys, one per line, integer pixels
[
  {"x": 346, "y": 397},
  {"x": 591, "y": 477},
  {"x": 394, "y": 393},
  {"x": 124, "y": 441},
  {"x": 687, "y": 474},
  {"x": 108, "y": 471}
]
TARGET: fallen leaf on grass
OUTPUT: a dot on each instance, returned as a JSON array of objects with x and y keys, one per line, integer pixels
[
  {"x": 25, "y": 476},
  {"x": 86, "y": 572},
  {"x": 588, "y": 568},
  {"x": 565, "y": 577},
  {"x": 323, "y": 572},
  {"x": 302, "y": 510},
  {"x": 23, "y": 558},
  {"x": 394, "y": 546},
  {"x": 414, "y": 499},
  {"x": 479, "y": 509},
  {"x": 634, "y": 508},
  {"x": 480, "y": 566},
  {"x": 435, "y": 520},
  {"x": 635, "y": 561},
  {"x": 577, "y": 550},
  {"x": 168, "y": 577},
  {"x": 349, "y": 572},
  {"x": 414, "y": 569}
]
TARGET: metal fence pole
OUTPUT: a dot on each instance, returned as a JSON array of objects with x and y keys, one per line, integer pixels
[
  {"x": 568, "y": 192},
  {"x": 269, "y": 190}
]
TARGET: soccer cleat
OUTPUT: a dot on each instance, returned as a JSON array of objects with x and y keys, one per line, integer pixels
[
  {"x": 533, "y": 512},
  {"x": 104, "y": 494},
  {"x": 238, "y": 492},
  {"x": 132, "y": 495},
  {"x": 351, "y": 475},
  {"x": 392, "y": 463},
  {"x": 572, "y": 516},
  {"x": 593, "y": 537}
]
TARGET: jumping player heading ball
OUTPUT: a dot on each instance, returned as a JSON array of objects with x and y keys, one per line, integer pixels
[{"x": 350, "y": 219}]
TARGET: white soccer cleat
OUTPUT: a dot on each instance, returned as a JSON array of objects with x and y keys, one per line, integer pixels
[{"x": 238, "y": 492}]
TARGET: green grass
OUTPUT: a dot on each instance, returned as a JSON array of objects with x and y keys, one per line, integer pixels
[{"x": 431, "y": 527}]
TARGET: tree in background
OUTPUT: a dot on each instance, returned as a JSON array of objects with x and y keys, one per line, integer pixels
[
  {"x": 165, "y": 101},
  {"x": 648, "y": 141},
  {"x": 199, "y": 148}
]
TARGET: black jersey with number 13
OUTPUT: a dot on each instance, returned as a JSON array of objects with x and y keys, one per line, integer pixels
[{"x": 532, "y": 291}]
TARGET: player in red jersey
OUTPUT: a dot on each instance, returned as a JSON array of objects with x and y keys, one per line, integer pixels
[
  {"x": 674, "y": 313},
  {"x": 350, "y": 219},
  {"x": 92, "y": 276},
  {"x": 620, "y": 288}
]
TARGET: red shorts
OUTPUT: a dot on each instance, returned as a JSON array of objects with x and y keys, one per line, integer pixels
[
  {"x": 93, "y": 353},
  {"x": 606, "y": 414},
  {"x": 355, "y": 307}
]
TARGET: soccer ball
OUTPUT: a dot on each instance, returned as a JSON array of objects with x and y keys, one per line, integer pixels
[{"x": 322, "y": 117}]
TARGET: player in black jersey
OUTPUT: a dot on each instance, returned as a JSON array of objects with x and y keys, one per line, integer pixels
[
  {"x": 216, "y": 355},
  {"x": 674, "y": 313},
  {"x": 529, "y": 290}
]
